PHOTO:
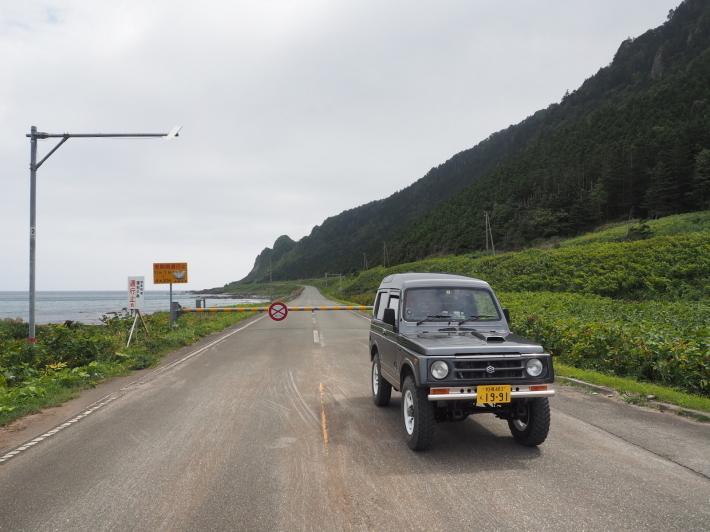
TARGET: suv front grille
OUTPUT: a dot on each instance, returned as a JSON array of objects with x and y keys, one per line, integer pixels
[{"x": 478, "y": 369}]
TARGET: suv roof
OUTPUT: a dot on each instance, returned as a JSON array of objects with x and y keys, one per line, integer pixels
[{"x": 401, "y": 280}]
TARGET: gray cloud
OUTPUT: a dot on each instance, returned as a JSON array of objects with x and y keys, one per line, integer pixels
[{"x": 292, "y": 110}]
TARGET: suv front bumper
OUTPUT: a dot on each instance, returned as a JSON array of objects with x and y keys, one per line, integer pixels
[{"x": 459, "y": 394}]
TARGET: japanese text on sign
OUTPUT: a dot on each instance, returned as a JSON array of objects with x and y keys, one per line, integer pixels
[
  {"x": 136, "y": 292},
  {"x": 169, "y": 272}
]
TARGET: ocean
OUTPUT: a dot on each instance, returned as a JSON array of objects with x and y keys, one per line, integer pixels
[{"x": 88, "y": 307}]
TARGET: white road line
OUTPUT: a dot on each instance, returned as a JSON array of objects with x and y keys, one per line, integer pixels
[
  {"x": 361, "y": 315},
  {"x": 120, "y": 393},
  {"x": 315, "y": 337}
]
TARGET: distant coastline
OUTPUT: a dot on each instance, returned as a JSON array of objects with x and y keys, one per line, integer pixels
[{"x": 90, "y": 306}]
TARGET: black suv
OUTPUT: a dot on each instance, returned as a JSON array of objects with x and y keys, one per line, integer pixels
[{"x": 444, "y": 341}]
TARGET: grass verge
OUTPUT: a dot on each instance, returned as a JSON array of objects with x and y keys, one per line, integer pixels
[{"x": 636, "y": 388}]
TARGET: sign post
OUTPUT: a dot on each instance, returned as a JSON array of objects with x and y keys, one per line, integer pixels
[
  {"x": 169, "y": 273},
  {"x": 278, "y": 311},
  {"x": 136, "y": 299}
]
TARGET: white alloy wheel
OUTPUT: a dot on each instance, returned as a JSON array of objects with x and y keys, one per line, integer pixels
[
  {"x": 375, "y": 379},
  {"x": 408, "y": 411}
]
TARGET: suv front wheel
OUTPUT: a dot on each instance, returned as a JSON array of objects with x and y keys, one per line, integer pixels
[
  {"x": 532, "y": 428},
  {"x": 418, "y": 416}
]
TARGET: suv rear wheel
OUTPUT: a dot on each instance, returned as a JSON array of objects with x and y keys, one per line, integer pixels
[
  {"x": 532, "y": 428},
  {"x": 418, "y": 416},
  {"x": 381, "y": 389}
]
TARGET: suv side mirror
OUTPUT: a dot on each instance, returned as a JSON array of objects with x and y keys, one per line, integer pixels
[
  {"x": 389, "y": 318},
  {"x": 506, "y": 313}
]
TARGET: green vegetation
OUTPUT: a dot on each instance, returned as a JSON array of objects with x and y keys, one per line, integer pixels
[
  {"x": 679, "y": 224},
  {"x": 635, "y": 391},
  {"x": 660, "y": 342},
  {"x": 660, "y": 268},
  {"x": 73, "y": 357},
  {"x": 277, "y": 289}
]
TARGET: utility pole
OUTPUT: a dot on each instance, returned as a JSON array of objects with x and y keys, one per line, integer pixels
[
  {"x": 34, "y": 166},
  {"x": 335, "y": 275},
  {"x": 384, "y": 254},
  {"x": 485, "y": 218},
  {"x": 364, "y": 256},
  {"x": 489, "y": 233},
  {"x": 271, "y": 286}
]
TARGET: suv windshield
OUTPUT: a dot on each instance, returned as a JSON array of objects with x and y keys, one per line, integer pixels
[{"x": 448, "y": 304}]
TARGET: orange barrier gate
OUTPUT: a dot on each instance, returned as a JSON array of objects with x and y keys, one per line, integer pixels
[
  {"x": 266, "y": 309},
  {"x": 277, "y": 311}
]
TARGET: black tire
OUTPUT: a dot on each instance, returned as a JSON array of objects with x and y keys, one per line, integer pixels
[
  {"x": 531, "y": 430},
  {"x": 381, "y": 389},
  {"x": 417, "y": 416}
]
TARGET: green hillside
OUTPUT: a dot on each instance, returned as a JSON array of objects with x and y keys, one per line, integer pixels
[
  {"x": 632, "y": 142},
  {"x": 664, "y": 268},
  {"x": 626, "y": 232}
]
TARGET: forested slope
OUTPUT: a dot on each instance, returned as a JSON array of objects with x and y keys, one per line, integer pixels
[
  {"x": 339, "y": 243},
  {"x": 632, "y": 141}
]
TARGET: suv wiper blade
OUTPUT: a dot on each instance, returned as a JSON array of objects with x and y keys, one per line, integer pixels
[
  {"x": 474, "y": 318},
  {"x": 436, "y": 318}
]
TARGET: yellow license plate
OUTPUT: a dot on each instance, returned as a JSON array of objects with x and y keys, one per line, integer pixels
[{"x": 499, "y": 393}]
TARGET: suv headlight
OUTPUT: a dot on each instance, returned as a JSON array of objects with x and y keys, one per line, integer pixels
[
  {"x": 439, "y": 369},
  {"x": 534, "y": 367}
]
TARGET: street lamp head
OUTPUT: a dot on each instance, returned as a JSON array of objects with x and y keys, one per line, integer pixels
[{"x": 173, "y": 133}]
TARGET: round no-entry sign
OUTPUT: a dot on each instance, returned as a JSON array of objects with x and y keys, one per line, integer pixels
[{"x": 278, "y": 311}]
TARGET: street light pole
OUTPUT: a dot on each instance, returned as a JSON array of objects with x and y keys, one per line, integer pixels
[
  {"x": 34, "y": 165},
  {"x": 33, "y": 225}
]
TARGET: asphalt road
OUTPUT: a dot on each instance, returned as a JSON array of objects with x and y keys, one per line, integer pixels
[{"x": 273, "y": 428}]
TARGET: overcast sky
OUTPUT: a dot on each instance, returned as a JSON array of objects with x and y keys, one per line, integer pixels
[{"x": 292, "y": 111}]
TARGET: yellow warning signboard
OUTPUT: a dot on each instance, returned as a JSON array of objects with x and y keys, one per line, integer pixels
[{"x": 169, "y": 272}]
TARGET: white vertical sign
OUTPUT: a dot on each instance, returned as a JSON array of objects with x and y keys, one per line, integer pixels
[{"x": 136, "y": 293}]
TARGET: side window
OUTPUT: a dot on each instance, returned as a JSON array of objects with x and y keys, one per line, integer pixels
[
  {"x": 394, "y": 303},
  {"x": 377, "y": 304},
  {"x": 380, "y": 305}
]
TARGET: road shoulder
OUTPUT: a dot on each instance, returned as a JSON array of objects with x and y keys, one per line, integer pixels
[{"x": 676, "y": 438}]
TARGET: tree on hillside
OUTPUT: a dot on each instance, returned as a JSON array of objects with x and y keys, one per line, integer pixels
[
  {"x": 659, "y": 187},
  {"x": 701, "y": 179}
]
